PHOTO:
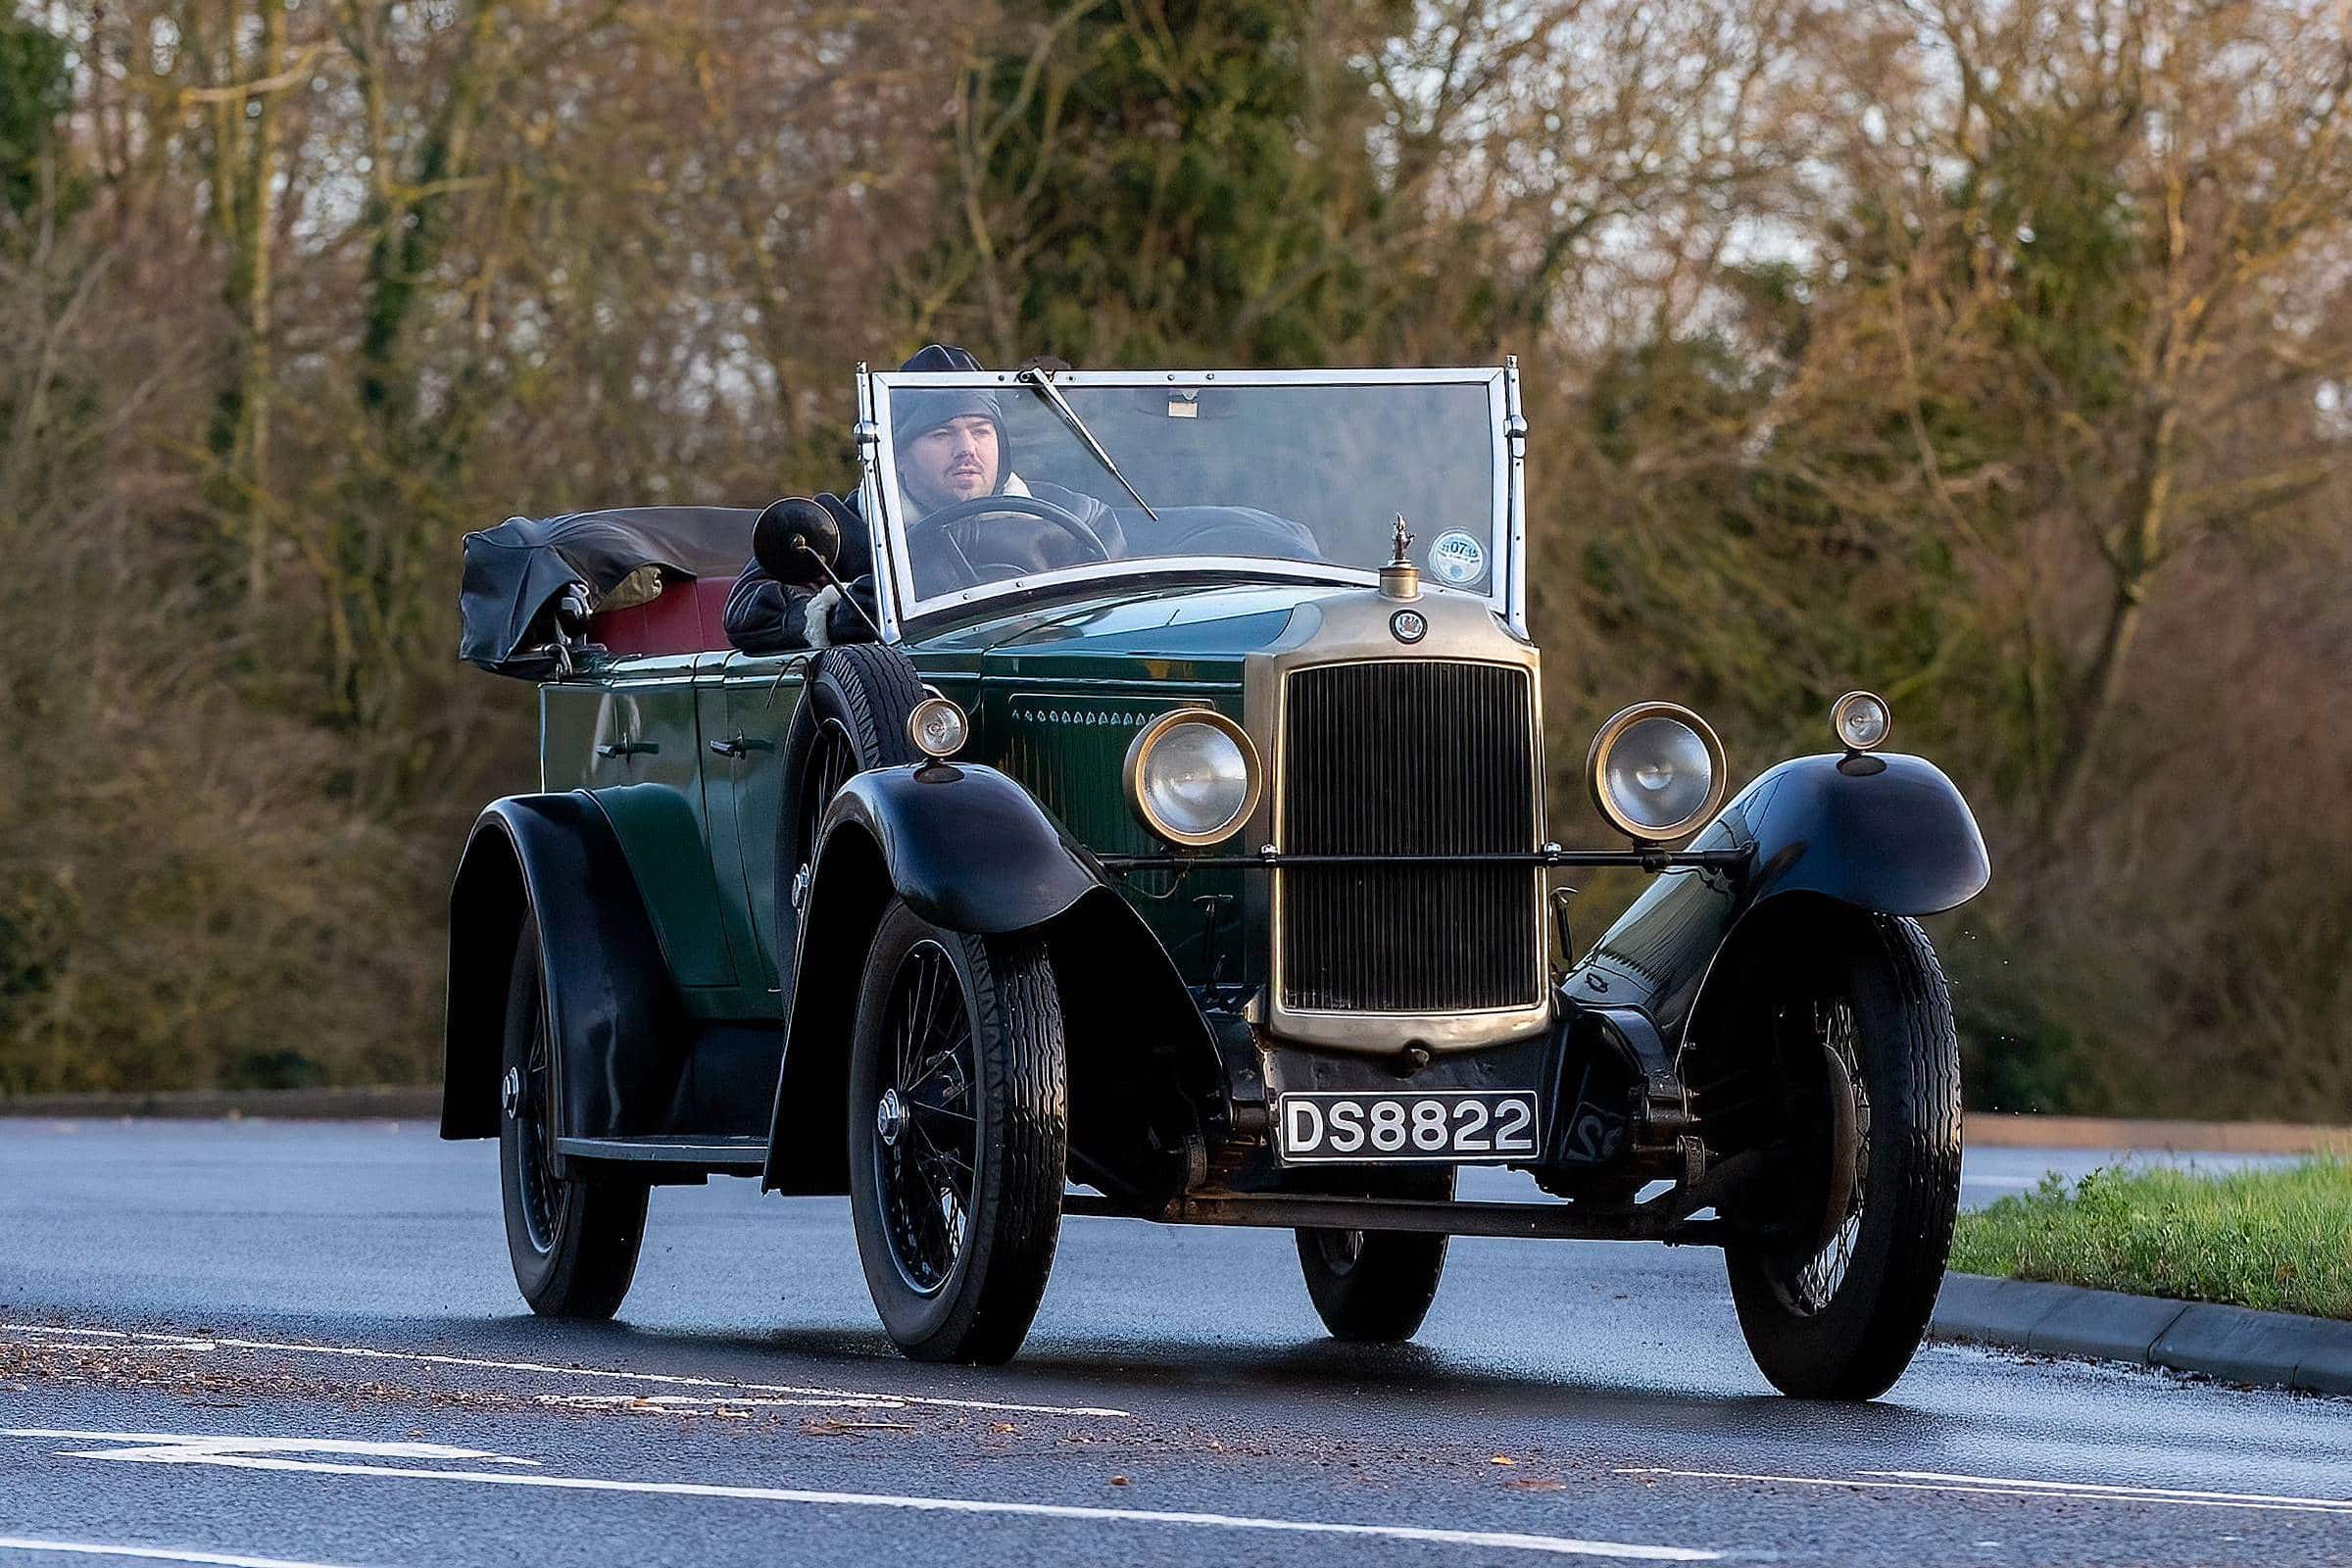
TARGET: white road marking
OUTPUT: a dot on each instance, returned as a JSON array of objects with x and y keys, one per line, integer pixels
[
  {"x": 173, "y": 1448},
  {"x": 1993, "y": 1487},
  {"x": 2155, "y": 1493},
  {"x": 705, "y": 1405},
  {"x": 269, "y": 1453},
  {"x": 98, "y": 1548},
  {"x": 182, "y": 1342}
]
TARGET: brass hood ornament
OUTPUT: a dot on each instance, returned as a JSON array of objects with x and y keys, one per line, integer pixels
[{"x": 1400, "y": 578}]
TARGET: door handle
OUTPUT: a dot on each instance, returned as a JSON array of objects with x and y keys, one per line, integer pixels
[
  {"x": 738, "y": 744},
  {"x": 629, "y": 749}
]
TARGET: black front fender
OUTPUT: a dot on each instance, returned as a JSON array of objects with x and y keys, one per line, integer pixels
[
  {"x": 1889, "y": 834},
  {"x": 966, "y": 847},
  {"x": 619, "y": 1030}
]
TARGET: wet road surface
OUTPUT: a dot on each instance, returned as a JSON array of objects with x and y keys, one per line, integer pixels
[{"x": 233, "y": 1342}]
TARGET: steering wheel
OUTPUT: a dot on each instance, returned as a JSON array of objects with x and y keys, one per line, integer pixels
[{"x": 1061, "y": 517}]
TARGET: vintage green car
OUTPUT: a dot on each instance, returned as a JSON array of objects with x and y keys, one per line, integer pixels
[{"x": 1194, "y": 869}]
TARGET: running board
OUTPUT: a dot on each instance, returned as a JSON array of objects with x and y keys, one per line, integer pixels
[
  {"x": 1551, "y": 1221},
  {"x": 719, "y": 1157}
]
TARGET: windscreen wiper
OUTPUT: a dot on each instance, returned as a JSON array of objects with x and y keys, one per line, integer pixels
[{"x": 1036, "y": 377}]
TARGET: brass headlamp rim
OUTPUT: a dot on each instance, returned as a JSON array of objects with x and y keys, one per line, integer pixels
[
  {"x": 1604, "y": 741},
  {"x": 1138, "y": 752}
]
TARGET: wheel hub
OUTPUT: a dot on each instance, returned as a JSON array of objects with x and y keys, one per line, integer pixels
[
  {"x": 509, "y": 1092},
  {"x": 889, "y": 1118}
]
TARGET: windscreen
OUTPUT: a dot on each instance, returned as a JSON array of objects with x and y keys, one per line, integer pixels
[{"x": 1308, "y": 479}]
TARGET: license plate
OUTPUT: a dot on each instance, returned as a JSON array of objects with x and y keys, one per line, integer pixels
[{"x": 1454, "y": 1126}]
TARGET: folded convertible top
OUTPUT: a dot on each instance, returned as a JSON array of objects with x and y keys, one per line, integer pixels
[{"x": 516, "y": 572}]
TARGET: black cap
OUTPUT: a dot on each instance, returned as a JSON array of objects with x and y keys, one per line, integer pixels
[
  {"x": 933, "y": 357},
  {"x": 911, "y": 413}
]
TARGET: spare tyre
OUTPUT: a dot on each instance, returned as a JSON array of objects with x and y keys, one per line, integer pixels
[{"x": 851, "y": 717}]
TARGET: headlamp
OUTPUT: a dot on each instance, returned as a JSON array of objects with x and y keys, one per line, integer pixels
[
  {"x": 1192, "y": 776},
  {"x": 937, "y": 727},
  {"x": 1862, "y": 721},
  {"x": 1656, "y": 771}
]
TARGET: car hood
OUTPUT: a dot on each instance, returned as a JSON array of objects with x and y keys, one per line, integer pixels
[
  {"x": 1177, "y": 623},
  {"x": 1199, "y": 635}
]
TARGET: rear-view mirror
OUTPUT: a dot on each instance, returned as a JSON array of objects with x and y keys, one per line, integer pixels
[{"x": 797, "y": 541}]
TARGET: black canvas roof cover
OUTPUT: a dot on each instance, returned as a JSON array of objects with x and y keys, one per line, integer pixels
[{"x": 516, "y": 571}]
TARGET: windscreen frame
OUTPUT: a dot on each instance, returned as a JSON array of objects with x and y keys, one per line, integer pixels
[{"x": 905, "y": 611}]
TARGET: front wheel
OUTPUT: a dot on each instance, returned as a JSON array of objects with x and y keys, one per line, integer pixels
[
  {"x": 573, "y": 1239},
  {"x": 1837, "y": 1269},
  {"x": 958, "y": 1109}
]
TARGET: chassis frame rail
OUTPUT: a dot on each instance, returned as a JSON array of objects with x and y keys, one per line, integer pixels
[{"x": 1669, "y": 1223}]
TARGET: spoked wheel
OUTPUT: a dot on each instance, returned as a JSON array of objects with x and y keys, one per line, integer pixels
[
  {"x": 1377, "y": 1285},
  {"x": 1805, "y": 1283},
  {"x": 1841, "y": 1251},
  {"x": 573, "y": 1241},
  {"x": 957, "y": 1134},
  {"x": 927, "y": 1144}
]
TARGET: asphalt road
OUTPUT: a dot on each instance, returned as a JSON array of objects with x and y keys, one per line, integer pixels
[{"x": 255, "y": 1342}]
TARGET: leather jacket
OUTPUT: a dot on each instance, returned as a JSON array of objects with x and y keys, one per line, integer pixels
[{"x": 767, "y": 617}]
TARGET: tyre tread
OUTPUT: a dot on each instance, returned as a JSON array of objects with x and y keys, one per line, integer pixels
[
  {"x": 1855, "y": 1349},
  {"x": 877, "y": 686},
  {"x": 1029, "y": 1081}
]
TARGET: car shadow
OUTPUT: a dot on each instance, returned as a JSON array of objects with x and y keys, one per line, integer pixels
[{"x": 1208, "y": 1381}]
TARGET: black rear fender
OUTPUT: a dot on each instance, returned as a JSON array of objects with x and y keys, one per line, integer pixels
[
  {"x": 969, "y": 850},
  {"x": 619, "y": 1031}
]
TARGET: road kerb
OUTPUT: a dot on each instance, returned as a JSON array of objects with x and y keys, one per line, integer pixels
[
  {"x": 2002, "y": 1130},
  {"x": 2232, "y": 1343}
]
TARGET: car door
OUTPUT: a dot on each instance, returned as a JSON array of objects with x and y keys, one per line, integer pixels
[
  {"x": 747, "y": 711},
  {"x": 631, "y": 736}
]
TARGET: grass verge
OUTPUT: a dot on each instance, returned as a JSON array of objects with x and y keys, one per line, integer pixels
[{"x": 2277, "y": 1239}]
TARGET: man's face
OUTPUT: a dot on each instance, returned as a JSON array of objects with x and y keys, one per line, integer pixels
[{"x": 950, "y": 463}]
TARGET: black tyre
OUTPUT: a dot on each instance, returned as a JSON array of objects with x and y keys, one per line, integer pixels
[
  {"x": 1840, "y": 1263},
  {"x": 851, "y": 717},
  {"x": 1377, "y": 1285},
  {"x": 573, "y": 1241},
  {"x": 959, "y": 1136}
]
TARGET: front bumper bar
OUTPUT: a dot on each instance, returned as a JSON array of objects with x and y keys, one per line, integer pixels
[{"x": 1270, "y": 858}]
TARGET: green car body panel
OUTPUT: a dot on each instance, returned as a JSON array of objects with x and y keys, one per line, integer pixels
[{"x": 1055, "y": 697}]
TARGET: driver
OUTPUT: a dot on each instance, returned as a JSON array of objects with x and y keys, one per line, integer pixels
[{"x": 950, "y": 448}]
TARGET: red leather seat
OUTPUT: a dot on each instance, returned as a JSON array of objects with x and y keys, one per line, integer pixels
[{"x": 685, "y": 617}]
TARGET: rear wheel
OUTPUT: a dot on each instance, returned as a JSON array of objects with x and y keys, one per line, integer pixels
[
  {"x": 573, "y": 1239},
  {"x": 959, "y": 1136},
  {"x": 1843, "y": 1244},
  {"x": 1376, "y": 1285}
]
